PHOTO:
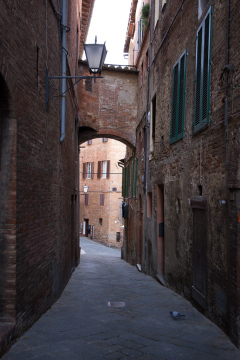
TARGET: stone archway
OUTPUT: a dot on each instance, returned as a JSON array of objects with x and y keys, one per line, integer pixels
[{"x": 7, "y": 207}]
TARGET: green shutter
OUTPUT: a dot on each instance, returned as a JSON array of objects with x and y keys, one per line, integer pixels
[
  {"x": 132, "y": 178},
  {"x": 178, "y": 98},
  {"x": 127, "y": 181},
  {"x": 202, "y": 73},
  {"x": 135, "y": 187},
  {"x": 123, "y": 182}
]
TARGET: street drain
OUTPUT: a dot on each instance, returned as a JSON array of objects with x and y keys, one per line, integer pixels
[{"x": 116, "y": 304}]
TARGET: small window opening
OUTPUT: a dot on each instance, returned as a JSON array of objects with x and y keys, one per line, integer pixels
[
  {"x": 88, "y": 84},
  {"x": 100, "y": 221},
  {"x": 200, "y": 190}
]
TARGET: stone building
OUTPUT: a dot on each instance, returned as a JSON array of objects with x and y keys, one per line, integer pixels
[
  {"x": 183, "y": 223},
  {"x": 101, "y": 206},
  {"x": 39, "y": 214}
]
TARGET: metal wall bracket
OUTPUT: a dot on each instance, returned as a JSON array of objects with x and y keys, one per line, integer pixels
[{"x": 78, "y": 78}]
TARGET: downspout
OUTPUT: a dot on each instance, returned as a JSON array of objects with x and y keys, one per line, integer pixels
[
  {"x": 64, "y": 62},
  {"x": 227, "y": 89},
  {"x": 147, "y": 140}
]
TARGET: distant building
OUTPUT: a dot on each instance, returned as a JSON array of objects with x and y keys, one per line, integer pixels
[{"x": 101, "y": 206}]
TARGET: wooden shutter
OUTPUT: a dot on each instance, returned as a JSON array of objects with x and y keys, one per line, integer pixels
[
  {"x": 84, "y": 174},
  {"x": 135, "y": 187},
  {"x": 178, "y": 98},
  {"x": 99, "y": 172},
  {"x": 86, "y": 199},
  {"x": 202, "y": 73},
  {"x": 92, "y": 170},
  {"x": 123, "y": 182},
  {"x": 108, "y": 169},
  {"x": 132, "y": 178}
]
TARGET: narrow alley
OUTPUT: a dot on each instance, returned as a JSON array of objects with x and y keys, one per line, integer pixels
[{"x": 109, "y": 310}]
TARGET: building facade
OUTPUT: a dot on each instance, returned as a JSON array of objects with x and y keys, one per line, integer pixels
[
  {"x": 39, "y": 203},
  {"x": 101, "y": 206},
  {"x": 183, "y": 224}
]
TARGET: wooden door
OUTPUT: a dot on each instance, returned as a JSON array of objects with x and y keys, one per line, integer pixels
[{"x": 199, "y": 287}]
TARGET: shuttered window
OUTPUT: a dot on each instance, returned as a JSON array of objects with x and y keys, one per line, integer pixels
[
  {"x": 124, "y": 182},
  {"x": 108, "y": 169},
  {"x": 178, "y": 98},
  {"x": 101, "y": 199},
  {"x": 99, "y": 172},
  {"x": 86, "y": 199},
  {"x": 84, "y": 174},
  {"x": 202, "y": 74},
  {"x": 135, "y": 183},
  {"x": 132, "y": 177},
  {"x": 92, "y": 170}
]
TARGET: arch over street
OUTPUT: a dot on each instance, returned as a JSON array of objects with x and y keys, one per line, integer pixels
[{"x": 108, "y": 107}]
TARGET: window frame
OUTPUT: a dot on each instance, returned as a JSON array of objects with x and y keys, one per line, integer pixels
[
  {"x": 202, "y": 67},
  {"x": 178, "y": 106}
]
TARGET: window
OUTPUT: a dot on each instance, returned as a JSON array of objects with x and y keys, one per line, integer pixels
[
  {"x": 101, "y": 199},
  {"x": 114, "y": 189},
  {"x": 86, "y": 199},
  {"x": 89, "y": 170},
  {"x": 103, "y": 169},
  {"x": 134, "y": 178},
  {"x": 156, "y": 12},
  {"x": 88, "y": 84},
  {"x": 178, "y": 98},
  {"x": 202, "y": 74},
  {"x": 140, "y": 32},
  {"x": 104, "y": 139},
  {"x": 89, "y": 142},
  {"x": 201, "y": 7},
  {"x": 100, "y": 221}
]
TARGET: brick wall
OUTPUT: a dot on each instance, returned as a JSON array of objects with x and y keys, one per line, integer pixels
[
  {"x": 39, "y": 232},
  {"x": 202, "y": 168},
  {"x": 111, "y": 107}
]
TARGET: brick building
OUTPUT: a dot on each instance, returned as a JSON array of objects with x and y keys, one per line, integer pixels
[
  {"x": 38, "y": 163},
  {"x": 183, "y": 225},
  {"x": 101, "y": 206}
]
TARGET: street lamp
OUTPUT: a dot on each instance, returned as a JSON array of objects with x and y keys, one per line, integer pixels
[
  {"x": 95, "y": 55},
  {"x": 85, "y": 188}
]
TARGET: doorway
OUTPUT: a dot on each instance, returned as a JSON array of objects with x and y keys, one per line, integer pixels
[
  {"x": 140, "y": 232},
  {"x": 199, "y": 266},
  {"x": 85, "y": 227},
  {"x": 160, "y": 232}
]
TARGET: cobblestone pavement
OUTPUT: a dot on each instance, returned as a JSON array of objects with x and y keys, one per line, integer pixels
[{"x": 109, "y": 310}]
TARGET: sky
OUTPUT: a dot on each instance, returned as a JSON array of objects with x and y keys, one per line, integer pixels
[{"x": 109, "y": 23}]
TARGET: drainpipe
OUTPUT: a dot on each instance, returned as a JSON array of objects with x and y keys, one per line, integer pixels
[
  {"x": 227, "y": 89},
  {"x": 147, "y": 140},
  {"x": 64, "y": 62}
]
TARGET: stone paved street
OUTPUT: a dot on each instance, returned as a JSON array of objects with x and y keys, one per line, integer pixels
[{"x": 109, "y": 310}]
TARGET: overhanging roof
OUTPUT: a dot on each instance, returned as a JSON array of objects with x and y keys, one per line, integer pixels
[
  {"x": 131, "y": 25},
  {"x": 87, "y": 9}
]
